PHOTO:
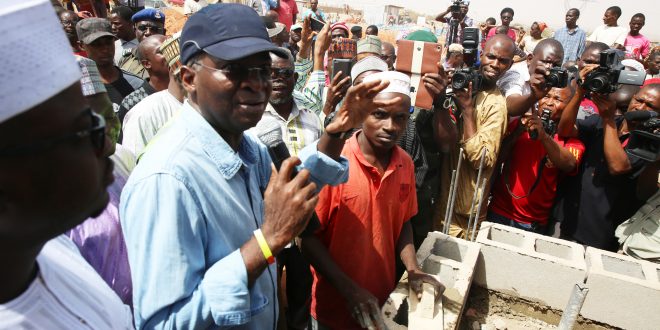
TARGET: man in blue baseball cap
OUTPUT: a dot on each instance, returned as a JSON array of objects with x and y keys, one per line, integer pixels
[
  {"x": 202, "y": 246},
  {"x": 146, "y": 22}
]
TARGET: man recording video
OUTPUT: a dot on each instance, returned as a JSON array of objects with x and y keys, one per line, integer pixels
[
  {"x": 524, "y": 85},
  {"x": 456, "y": 17},
  {"x": 525, "y": 191},
  {"x": 605, "y": 193},
  {"x": 481, "y": 122}
]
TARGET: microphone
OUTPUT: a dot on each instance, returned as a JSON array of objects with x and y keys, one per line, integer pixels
[
  {"x": 270, "y": 133},
  {"x": 640, "y": 115}
]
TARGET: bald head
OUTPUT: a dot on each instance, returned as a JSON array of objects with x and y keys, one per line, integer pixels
[
  {"x": 388, "y": 54},
  {"x": 549, "y": 52},
  {"x": 623, "y": 95},
  {"x": 150, "y": 56},
  {"x": 496, "y": 58}
]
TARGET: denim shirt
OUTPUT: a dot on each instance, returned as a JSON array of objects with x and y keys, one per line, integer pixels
[{"x": 186, "y": 210}]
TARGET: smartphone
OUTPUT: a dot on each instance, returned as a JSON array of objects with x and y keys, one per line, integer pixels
[
  {"x": 316, "y": 24},
  {"x": 343, "y": 65}
]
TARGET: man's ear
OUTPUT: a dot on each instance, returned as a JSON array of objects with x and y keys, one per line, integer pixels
[
  {"x": 81, "y": 45},
  {"x": 146, "y": 64},
  {"x": 188, "y": 75}
]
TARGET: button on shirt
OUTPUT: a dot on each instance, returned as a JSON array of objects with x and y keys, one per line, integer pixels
[
  {"x": 205, "y": 201},
  {"x": 573, "y": 42},
  {"x": 122, "y": 47},
  {"x": 299, "y": 130}
]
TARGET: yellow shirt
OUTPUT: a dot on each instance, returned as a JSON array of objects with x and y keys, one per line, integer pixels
[{"x": 491, "y": 119}]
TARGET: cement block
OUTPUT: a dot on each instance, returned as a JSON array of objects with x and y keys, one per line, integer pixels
[
  {"x": 452, "y": 261},
  {"x": 532, "y": 266},
  {"x": 623, "y": 291}
]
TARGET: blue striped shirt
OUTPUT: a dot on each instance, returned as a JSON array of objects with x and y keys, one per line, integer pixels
[{"x": 573, "y": 43}]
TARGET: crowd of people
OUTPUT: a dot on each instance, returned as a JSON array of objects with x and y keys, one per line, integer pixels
[{"x": 239, "y": 176}]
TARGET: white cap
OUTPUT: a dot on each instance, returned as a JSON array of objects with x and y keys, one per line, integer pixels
[
  {"x": 369, "y": 63},
  {"x": 35, "y": 56},
  {"x": 399, "y": 82}
]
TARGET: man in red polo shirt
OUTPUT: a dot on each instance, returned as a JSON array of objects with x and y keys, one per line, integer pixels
[
  {"x": 288, "y": 10},
  {"x": 525, "y": 191},
  {"x": 364, "y": 222}
]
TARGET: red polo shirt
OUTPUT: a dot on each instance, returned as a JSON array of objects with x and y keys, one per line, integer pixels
[
  {"x": 286, "y": 10},
  {"x": 360, "y": 225},
  {"x": 523, "y": 170}
]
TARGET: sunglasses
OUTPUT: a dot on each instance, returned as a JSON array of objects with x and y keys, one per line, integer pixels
[
  {"x": 284, "y": 73},
  {"x": 96, "y": 133},
  {"x": 234, "y": 71},
  {"x": 153, "y": 28}
]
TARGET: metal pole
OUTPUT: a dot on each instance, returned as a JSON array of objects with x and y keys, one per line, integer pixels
[
  {"x": 451, "y": 188},
  {"x": 574, "y": 306},
  {"x": 453, "y": 192},
  {"x": 481, "y": 200},
  {"x": 475, "y": 194}
]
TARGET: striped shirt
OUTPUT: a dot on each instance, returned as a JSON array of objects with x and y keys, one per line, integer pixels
[
  {"x": 299, "y": 130},
  {"x": 308, "y": 84},
  {"x": 573, "y": 42}
]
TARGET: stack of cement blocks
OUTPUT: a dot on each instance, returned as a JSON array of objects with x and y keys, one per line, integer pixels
[
  {"x": 527, "y": 265},
  {"x": 452, "y": 261},
  {"x": 623, "y": 292}
]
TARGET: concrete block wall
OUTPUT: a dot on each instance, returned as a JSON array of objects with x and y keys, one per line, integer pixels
[
  {"x": 623, "y": 291},
  {"x": 528, "y": 265},
  {"x": 450, "y": 259}
]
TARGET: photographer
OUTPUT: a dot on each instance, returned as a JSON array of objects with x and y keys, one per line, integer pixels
[
  {"x": 481, "y": 125},
  {"x": 524, "y": 193},
  {"x": 523, "y": 88},
  {"x": 605, "y": 193},
  {"x": 456, "y": 17}
]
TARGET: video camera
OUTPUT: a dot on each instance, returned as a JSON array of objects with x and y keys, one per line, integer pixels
[
  {"x": 610, "y": 73},
  {"x": 463, "y": 77},
  {"x": 644, "y": 141},
  {"x": 456, "y": 6}
]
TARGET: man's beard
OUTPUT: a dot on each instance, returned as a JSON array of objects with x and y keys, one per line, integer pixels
[{"x": 281, "y": 100}]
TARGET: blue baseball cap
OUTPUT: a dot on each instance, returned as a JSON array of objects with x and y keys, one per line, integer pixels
[
  {"x": 148, "y": 14},
  {"x": 227, "y": 31}
]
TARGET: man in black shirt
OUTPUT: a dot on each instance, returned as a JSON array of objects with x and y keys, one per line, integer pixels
[
  {"x": 604, "y": 194},
  {"x": 97, "y": 40}
]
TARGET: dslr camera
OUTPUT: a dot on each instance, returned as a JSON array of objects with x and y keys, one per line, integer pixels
[
  {"x": 549, "y": 126},
  {"x": 610, "y": 73},
  {"x": 463, "y": 77},
  {"x": 557, "y": 77}
]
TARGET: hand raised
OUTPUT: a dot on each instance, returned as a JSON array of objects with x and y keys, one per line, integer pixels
[
  {"x": 358, "y": 104},
  {"x": 436, "y": 83}
]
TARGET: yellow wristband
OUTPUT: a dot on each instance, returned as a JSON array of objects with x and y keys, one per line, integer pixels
[{"x": 268, "y": 254}]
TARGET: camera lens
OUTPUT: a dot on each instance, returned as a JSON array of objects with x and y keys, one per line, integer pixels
[{"x": 597, "y": 84}]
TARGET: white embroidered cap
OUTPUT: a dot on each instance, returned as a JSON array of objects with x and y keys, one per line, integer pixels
[
  {"x": 369, "y": 63},
  {"x": 399, "y": 82},
  {"x": 35, "y": 56}
]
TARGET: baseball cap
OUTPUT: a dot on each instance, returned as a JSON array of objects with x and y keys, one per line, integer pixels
[
  {"x": 227, "y": 31},
  {"x": 296, "y": 27},
  {"x": 279, "y": 27},
  {"x": 90, "y": 29}
]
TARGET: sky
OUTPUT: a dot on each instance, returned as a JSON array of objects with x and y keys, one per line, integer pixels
[{"x": 527, "y": 11}]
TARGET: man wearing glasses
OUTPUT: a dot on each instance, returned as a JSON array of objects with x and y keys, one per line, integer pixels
[
  {"x": 202, "y": 246},
  {"x": 54, "y": 172},
  {"x": 147, "y": 22}
]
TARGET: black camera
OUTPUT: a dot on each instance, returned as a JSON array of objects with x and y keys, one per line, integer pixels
[
  {"x": 456, "y": 6},
  {"x": 470, "y": 45},
  {"x": 463, "y": 77},
  {"x": 644, "y": 141},
  {"x": 557, "y": 77},
  {"x": 610, "y": 73},
  {"x": 549, "y": 126}
]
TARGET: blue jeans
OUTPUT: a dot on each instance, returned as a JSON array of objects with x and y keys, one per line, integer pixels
[{"x": 532, "y": 227}]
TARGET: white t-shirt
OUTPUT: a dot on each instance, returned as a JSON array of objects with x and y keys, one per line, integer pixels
[
  {"x": 530, "y": 43},
  {"x": 144, "y": 120},
  {"x": 609, "y": 35},
  {"x": 66, "y": 294},
  {"x": 192, "y": 6}
]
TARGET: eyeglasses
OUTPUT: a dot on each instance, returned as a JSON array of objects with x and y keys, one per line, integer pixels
[
  {"x": 96, "y": 133},
  {"x": 152, "y": 28},
  {"x": 235, "y": 71},
  {"x": 284, "y": 73}
]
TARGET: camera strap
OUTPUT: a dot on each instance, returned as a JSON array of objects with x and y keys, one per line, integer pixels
[{"x": 536, "y": 182}]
